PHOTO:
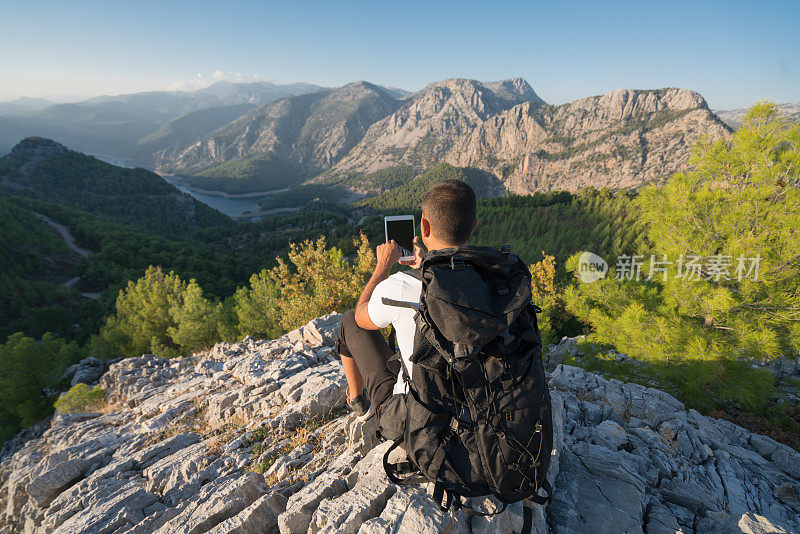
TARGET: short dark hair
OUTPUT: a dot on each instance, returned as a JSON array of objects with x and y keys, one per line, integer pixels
[{"x": 451, "y": 208}]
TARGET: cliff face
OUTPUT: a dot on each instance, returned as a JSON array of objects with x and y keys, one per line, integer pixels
[
  {"x": 309, "y": 131},
  {"x": 618, "y": 140},
  {"x": 255, "y": 437}
]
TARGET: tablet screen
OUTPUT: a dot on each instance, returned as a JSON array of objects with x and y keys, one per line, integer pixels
[{"x": 402, "y": 232}]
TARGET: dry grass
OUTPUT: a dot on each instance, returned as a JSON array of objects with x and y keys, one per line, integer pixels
[
  {"x": 225, "y": 434},
  {"x": 313, "y": 431}
]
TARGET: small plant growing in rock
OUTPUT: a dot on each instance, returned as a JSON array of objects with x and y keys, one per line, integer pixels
[{"x": 80, "y": 399}]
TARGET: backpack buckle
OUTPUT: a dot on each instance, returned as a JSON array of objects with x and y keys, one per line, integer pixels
[
  {"x": 457, "y": 263},
  {"x": 505, "y": 249}
]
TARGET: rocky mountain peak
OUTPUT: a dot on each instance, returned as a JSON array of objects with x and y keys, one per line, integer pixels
[
  {"x": 620, "y": 139},
  {"x": 627, "y": 102},
  {"x": 516, "y": 90},
  {"x": 307, "y": 133}
]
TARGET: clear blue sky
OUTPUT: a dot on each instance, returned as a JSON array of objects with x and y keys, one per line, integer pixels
[{"x": 732, "y": 52}]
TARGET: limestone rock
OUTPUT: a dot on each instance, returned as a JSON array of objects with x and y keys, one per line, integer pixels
[
  {"x": 87, "y": 371},
  {"x": 185, "y": 442}
]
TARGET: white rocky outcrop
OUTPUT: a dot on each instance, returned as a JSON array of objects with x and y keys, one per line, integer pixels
[{"x": 255, "y": 437}]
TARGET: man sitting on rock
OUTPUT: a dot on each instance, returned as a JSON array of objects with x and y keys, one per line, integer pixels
[{"x": 448, "y": 219}]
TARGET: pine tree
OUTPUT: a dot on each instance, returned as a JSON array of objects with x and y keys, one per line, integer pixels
[
  {"x": 255, "y": 309},
  {"x": 319, "y": 281},
  {"x": 738, "y": 203},
  {"x": 31, "y": 370},
  {"x": 159, "y": 314},
  {"x": 196, "y": 320}
]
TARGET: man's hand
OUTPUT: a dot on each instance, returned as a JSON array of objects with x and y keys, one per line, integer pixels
[
  {"x": 418, "y": 255},
  {"x": 388, "y": 253}
]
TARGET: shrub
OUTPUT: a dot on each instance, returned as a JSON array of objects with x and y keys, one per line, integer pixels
[
  {"x": 80, "y": 399},
  {"x": 319, "y": 281},
  {"x": 31, "y": 371}
]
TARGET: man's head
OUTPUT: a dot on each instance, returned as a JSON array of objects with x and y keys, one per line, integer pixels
[{"x": 448, "y": 214}]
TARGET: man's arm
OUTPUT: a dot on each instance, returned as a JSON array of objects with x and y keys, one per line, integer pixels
[{"x": 388, "y": 254}]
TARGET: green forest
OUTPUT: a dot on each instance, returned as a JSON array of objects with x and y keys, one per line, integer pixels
[{"x": 179, "y": 283}]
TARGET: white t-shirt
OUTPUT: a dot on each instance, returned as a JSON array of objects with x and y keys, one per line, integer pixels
[{"x": 403, "y": 287}]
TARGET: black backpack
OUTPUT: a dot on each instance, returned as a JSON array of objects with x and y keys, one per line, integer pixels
[{"x": 478, "y": 416}]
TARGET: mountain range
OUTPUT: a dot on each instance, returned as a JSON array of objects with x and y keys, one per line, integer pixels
[
  {"x": 618, "y": 140},
  {"x": 115, "y": 124},
  {"x": 262, "y": 136}
]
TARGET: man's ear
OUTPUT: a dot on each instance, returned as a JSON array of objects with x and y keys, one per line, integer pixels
[{"x": 425, "y": 226}]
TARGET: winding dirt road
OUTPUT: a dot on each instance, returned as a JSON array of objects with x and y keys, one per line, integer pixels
[{"x": 69, "y": 240}]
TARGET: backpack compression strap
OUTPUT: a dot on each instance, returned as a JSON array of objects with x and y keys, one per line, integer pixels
[
  {"x": 527, "y": 504},
  {"x": 393, "y": 470}
]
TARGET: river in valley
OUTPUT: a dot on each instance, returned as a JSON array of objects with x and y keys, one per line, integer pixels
[
  {"x": 236, "y": 206},
  {"x": 232, "y": 207}
]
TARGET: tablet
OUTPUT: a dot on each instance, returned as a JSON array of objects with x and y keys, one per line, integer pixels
[{"x": 401, "y": 228}]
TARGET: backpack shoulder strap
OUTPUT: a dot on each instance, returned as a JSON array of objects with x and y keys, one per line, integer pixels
[
  {"x": 399, "y": 303},
  {"x": 527, "y": 510},
  {"x": 414, "y": 273}
]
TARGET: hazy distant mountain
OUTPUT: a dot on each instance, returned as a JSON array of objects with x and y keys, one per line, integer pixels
[
  {"x": 170, "y": 104},
  {"x": 733, "y": 117},
  {"x": 286, "y": 140},
  {"x": 114, "y": 124},
  {"x": 187, "y": 128},
  {"x": 23, "y": 106}
]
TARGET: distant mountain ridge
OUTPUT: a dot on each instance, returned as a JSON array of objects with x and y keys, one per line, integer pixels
[
  {"x": 115, "y": 124},
  {"x": 733, "y": 117},
  {"x": 312, "y": 132},
  {"x": 247, "y": 137},
  {"x": 23, "y": 106},
  {"x": 619, "y": 140}
]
